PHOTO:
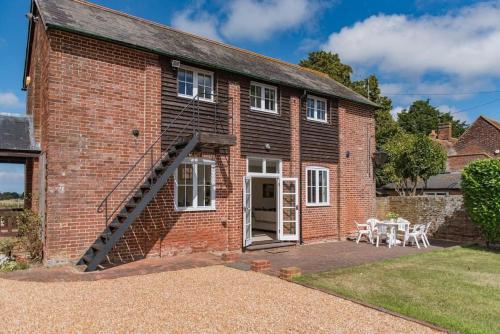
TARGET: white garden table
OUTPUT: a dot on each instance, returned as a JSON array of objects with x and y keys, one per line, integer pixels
[{"x": 393, "y": 227}]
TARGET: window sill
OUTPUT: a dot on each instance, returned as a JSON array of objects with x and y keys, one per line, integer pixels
[
  {"x": 316, "y": 120},
  {"x": 253, "y": 109},
  {"x": 320, "y": 205},
  {"x": 187, "y": 97},
  {"x": 177, "y": 209}
]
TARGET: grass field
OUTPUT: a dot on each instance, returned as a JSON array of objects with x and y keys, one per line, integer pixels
[
  {"x": 11, "y": 203},
  {"x": 456, "y": 288}
]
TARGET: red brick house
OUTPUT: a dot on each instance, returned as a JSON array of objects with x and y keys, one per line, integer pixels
[
  {"x": 480, "y": 141},
  {"x": 159, "y": 142}
]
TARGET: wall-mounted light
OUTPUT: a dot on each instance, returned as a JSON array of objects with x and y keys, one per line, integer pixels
[
  {"x": 267, "y": 147},
  {"x": 176, "y": 64},
  {"x": 28, "y": 81},
  {"x": 135, "y": 132},
  {"x": 347, "y": 154}
]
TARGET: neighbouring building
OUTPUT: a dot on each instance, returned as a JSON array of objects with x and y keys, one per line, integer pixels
[
  {"x": 159, "y": 142},
  {"x": 480, "y": 141}
]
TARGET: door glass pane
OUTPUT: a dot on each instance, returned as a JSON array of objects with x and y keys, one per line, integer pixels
[
  {"x": 289, "y": 209},
  {"x": 248, "y": 210},
  {"x": 255, "y": 165}
]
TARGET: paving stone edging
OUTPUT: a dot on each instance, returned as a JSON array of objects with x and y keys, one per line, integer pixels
[{"x": 377, "y": 308}]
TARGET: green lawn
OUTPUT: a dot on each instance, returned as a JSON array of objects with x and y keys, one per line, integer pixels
[{"x": 456, "y": 288}]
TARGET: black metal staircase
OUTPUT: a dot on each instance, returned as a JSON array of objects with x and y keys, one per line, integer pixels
[{"x": 153, "y": 179}]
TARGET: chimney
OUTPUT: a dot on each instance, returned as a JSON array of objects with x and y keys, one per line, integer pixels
[{"x": 444, "y": 131}]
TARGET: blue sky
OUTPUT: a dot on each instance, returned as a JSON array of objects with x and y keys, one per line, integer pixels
[{"x": 445, "y": 50}]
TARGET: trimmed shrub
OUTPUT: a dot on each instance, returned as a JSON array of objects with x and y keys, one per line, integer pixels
[
  {"x": 481, "y": 189},
  {"x": 30, "y": 231}
]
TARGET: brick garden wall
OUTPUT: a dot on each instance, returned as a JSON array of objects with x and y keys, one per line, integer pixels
[{"x": 447, "y": 214}]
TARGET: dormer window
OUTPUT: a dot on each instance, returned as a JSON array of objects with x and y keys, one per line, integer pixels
[{"x": 316, "y": 109}]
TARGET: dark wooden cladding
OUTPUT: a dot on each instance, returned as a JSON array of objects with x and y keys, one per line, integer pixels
[
  {"x": 172, "y": 106},
  {"x": 261, "y": 128},
  {"x": 320, "y": 141}
]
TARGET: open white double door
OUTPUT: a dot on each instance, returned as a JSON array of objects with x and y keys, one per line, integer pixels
[{"x": 288, "y": 210}]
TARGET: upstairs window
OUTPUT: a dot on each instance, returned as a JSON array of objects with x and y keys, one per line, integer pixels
[
  {"x": 192, "y": 82},
  {"x": 318, "y": 193},
  {"x": 263, "y": 98},
  {"x": 316, "y": 109}
]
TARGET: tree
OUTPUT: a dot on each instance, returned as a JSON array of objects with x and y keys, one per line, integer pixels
[
  {"x": 422, "y": 118},
  {"x": 329, "y": 63},
  {"x": 412, "y": 158},
  {"x": 481, "y": 189}
]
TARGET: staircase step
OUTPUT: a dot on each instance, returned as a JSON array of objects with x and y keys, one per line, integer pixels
[
  {"x": 146, "y": 185},
  {"x": 98, "y": 245},
  {"x": 114, "y": 225},
  {"x": 180, "y": 145},
  {"x": 130, "y": 206},
  {"x": 159, "y": 169},
  {"x": 138, "y": 194},
  {"x": 87, "y": 258}
]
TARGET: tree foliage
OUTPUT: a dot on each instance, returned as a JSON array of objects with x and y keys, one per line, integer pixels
[
  {"x": 481, "y": 189},
  {"x": 329, "y": 63},
  {"x": 412, "y": 158},
  {"x": 422, "y": 118}
]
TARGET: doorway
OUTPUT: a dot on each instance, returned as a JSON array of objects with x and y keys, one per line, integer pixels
[
  {"x": 270, "y": 204},
  {"x": 264, "y": 210}
]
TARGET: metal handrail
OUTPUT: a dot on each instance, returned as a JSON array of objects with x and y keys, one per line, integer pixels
[{"x": 193, "y": 103}]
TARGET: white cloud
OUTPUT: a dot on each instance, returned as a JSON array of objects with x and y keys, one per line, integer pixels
[
  {"x": 464, "y": 42},
  {"x": 198, "y": 22},
  {"x": 260, "y": 20},
  {"x": 395, "y": 111},
  {"x": 460, "y": 115},
  {"x": 9, "y": 100}
]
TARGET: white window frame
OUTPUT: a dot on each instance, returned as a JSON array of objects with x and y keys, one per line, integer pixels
[
  {"x": 316, "y": 169},
  {"x": 195, "y": 162},
  {"x": 264, "y": 166},
  {"x": 315, "y": 117},
  {"x": 195, "y": 71},
  {"x": 262, "y": 97}
]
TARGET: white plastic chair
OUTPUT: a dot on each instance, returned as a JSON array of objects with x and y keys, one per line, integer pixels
[
  {"x": 403, "y": 226},
  {"x": 385, "y": 231},
  {"x": 364, "y": 229},
  {"x": 417, "y": 232},
  {"x": 424, "y": 234}
]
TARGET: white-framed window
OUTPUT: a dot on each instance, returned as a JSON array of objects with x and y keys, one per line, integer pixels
[
  {"x": 436, "y": 193},
  {"x": 318, "y": 186},
  {"x": 316, "y": 109},
  {"x": 258, "y": 166},
  {"x": 263, "y": 98},
  {"x": 194, "y": 188},
  {"x": 192, "y": 82}
]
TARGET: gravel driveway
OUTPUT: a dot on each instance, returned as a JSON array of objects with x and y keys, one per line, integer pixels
[{"x": 204, "y": 300}]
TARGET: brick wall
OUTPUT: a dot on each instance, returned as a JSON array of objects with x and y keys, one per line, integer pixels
[
  {"x": 357, "y": 182},
  {"x": 457, "y": 163},
  {"x": 97, "y": 92},
  {"x": 480, "y": 137},
  {"x": 446, "y": 213}
]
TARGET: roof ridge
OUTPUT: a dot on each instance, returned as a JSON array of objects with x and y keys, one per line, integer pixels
[
  {"x": 164, "y": 26},
  {"x": 493, "y": 122}
]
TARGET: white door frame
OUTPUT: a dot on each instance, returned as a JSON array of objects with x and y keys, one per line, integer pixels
[
  {"x": 281, "y": 235},
  {"x": 247, "y": 211}
]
